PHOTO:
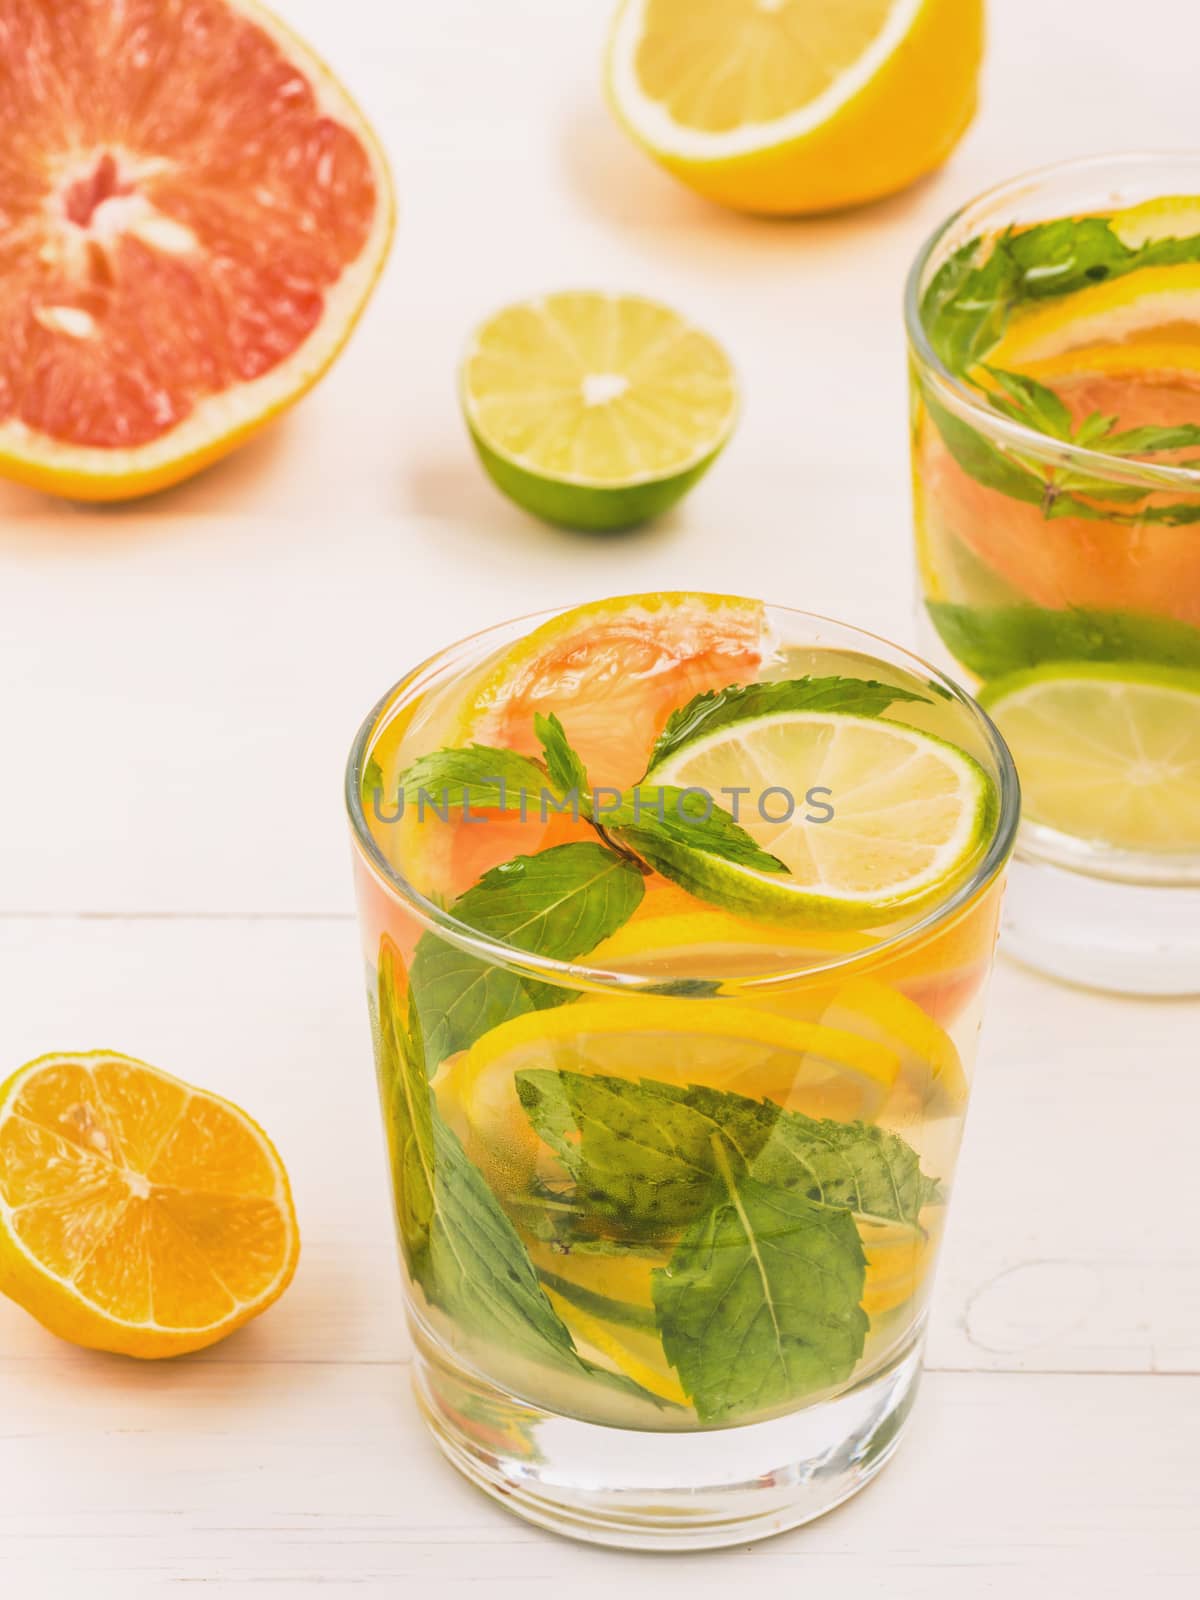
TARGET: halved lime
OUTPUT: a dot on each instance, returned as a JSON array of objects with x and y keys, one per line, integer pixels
[
  {"x": 596, "y": 410},
  {"x": 909, "y": 814},
  {"x": 1108, "y": 752}
]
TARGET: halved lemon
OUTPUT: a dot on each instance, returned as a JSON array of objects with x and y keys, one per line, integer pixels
[
  {"x": 910, "y": 812},
  {"x": 1109, "y": 752},
  {"x": 613, "y": 671},
  {"x": 789, "y": 106},
  {"x": 596, "y": 411},
  {"x": 137, "y": 1214},
  {"x": 802, "y": 1066},
  {"x": 633, "y": 1352}
]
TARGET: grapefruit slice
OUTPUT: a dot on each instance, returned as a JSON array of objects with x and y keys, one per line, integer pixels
[
  {"x": 195, "y": 213},
  {"x": 613, "y": 671}
]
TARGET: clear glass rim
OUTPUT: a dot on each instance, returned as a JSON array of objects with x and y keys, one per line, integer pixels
[
  {"x": 436, "y": 919},
  {"x": 1016, "y": 435}
]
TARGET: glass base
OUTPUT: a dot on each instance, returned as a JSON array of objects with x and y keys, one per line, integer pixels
[
  {"x": 663, "y": 1491},
  {"x": 1130, "y": 938}
]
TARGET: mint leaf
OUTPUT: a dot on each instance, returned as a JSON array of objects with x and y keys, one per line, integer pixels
[
  {"x": 477, "y": 776},
  {"x": 1056, "y": 258},
  {"x": 562, "y": 762},
  {"x": 759, "y": 1304},
  {"x": 1150, "y": 440},
  {"x": 1032, "y": 403},
  {"x": 642, "y": 1151},
  {"x": 966, "y": 307},
  {"x": 663, "y": 812},
  {"x": 408, "y": 1118},
  {"x": 853, "y": 1165},
  {"x": 981, "y": 460},
  {"x": 458, "y": 1244},
  {"x": 480, "y": 1273},
  {"x": 560, "y": 903},
  {"x": 997, "y": 640},
  {"x": 863, "y": 697}
]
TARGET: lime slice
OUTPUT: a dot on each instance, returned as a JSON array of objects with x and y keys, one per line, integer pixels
[
  {"x": 910, "y": 812},
  {"x": 596, "y": 410},
  {"x": 1108, "y": 752}
]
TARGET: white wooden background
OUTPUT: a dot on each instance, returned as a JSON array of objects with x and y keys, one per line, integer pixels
[{"x": 179, "y": 682}]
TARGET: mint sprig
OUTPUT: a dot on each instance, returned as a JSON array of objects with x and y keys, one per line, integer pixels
[{"x": 706, "y": 713}]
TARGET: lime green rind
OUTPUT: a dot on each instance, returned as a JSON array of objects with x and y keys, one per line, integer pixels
[
  {"x": 1182, "y": 679},
  {"x": 768, "y": 899},
  {"x": 589, "y": 508}
]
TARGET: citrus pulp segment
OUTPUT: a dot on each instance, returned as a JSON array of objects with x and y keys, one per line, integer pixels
[
  {"x": 137, "y": 1214},
  {"x": 195, "y": 215},
  {"x": 596, "y": 410},
  {"x": 1109, "y": 753},
  {"x": 790, "y": 106},
  {"x": 613, "y": 671},
  {"x": 910, "y": 812}
]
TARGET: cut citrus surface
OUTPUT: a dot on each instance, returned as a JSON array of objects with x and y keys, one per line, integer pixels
[
  {"x": 1109, "y": 753},
  {"x": 822, "y": 1071},
  {"x": 898, "y": 1262},
  {"x": 910, "y": 813},
  {"x": 789, "y": 106},
  {"x": 596, "y": 410},
  {"x": 195, "y": 214},
  {"x": 613, "y": 671},
  {"x": 137, "y": 1214}
]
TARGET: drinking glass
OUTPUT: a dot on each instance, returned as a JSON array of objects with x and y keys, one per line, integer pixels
[
  {"x": 1055, "y": 365},
  {"x": 668, "y": 1205}
]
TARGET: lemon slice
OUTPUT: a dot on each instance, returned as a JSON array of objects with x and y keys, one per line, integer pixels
[
  {"x": 1104, "y": 314},
  {"x": 596, "y": 410},
  {"x": 910, "y": 812},
  {"x": 788, "y": 106},
  {"x": 802, "y": 1066},
  {"x": 1106, "y": 752}
]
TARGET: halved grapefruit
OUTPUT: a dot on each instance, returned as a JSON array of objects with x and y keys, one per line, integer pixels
[{"x": 194, "y": 215}]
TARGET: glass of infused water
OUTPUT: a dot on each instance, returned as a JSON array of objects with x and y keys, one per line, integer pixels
[
  {"x": 678, "y": 916},
  {"x": 1054, "y": 329}
]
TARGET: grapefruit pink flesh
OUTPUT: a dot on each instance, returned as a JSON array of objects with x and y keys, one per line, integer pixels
[{"x": 195, "y": 213}]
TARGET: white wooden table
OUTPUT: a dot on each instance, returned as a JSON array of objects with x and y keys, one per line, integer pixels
[{"x": 179, "y": 682}]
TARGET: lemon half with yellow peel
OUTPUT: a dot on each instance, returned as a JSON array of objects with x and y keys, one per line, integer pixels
[
  {"x": 138, "y": 1214},
  {"x": 792, "y": 106},
  {"x": 801, "y": 1066}
]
